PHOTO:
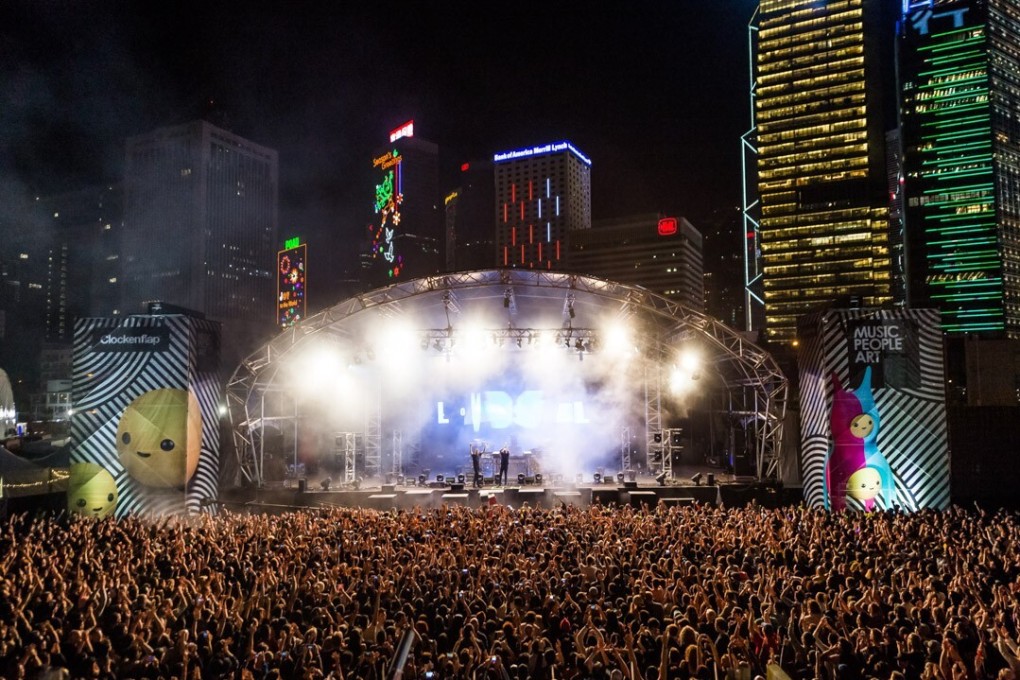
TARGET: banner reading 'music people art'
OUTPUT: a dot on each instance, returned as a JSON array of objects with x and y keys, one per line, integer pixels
[
  {"x": 145, "y": 431},
  {"x": 873, "y": 412}
]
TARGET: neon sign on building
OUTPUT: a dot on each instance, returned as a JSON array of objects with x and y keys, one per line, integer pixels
[
  {"x": 405, "y": 130},
  {"x": 542, "y": 150},
  {"x": 290, "y": 283},
  {"x": 388, "y": 198}
]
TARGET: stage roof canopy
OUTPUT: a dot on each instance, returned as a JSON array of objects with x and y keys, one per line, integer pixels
[{"x": 516, "y": 308}]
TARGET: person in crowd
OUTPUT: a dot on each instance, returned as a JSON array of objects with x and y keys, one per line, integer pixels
[
  {"x": 476, "y": 462},
  {"x": 504, "y": 466},
  {"x": 601, "y": 592}
]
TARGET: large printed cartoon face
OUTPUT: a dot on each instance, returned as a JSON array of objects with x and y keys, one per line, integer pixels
[
  {"x": 91, "y": 490},
  {"x": 861, "y": 426},
  {"x": 864, "y": 484},
  {"x": 159, "y": 437}
]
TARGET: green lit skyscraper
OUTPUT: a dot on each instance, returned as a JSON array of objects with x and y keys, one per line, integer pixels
[
  {"x": 959, "y": 71},
  {"x": 823, "y": 74}
]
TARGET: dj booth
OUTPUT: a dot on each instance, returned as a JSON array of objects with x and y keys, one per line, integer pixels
[{"x": 526, "y": 463}]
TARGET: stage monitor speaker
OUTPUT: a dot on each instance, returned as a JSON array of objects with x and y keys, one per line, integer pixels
[
  {"x": 302, "y": 485},
  {"x": 456, "y": 488},
  {"x": 711, "y": 479},
  {"x": 630, "y": 485},
  {"x": 389, "y": 488}
]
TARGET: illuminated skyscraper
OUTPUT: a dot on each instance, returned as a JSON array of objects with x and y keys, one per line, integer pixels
[
  {"x": 959, "y": 71},
  {"x": 200, "y": 223},
  {"x": 470, "y": 237},
  {"x": 542, "y": 194},
  {"x": 662, "y": 254},
  {"x": 822, "y": 82},
  {"x": 406, "y": 233}
]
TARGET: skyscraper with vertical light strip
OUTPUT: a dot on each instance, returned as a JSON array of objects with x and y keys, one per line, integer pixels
[
  {"x": 959, "y": 71},
  {"x": 821, "y": 113},
  {"x": 542, "y": 193}
]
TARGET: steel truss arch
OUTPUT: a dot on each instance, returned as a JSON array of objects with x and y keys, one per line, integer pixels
[{"x": 435, "y": 302}]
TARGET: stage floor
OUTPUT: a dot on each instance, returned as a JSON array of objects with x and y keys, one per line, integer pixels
[{"x": 727, "y": 489}]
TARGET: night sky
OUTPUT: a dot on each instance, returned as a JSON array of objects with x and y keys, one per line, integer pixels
[{"x": 655, "y": 93}]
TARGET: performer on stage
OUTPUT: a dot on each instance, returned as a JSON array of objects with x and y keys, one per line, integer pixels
[
  {"x": 476, "y": 457},
  {"x": 504, "y": 465}
]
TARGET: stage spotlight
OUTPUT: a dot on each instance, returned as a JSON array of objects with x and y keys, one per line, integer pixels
[
  {"x": 520, "y": 478},
  {"x": 696, "y": 479},
  {"x": 421, "y": 480},
  {"x": 661, "y": 479},
  {"x": 519, "y": 341},
  {"x": 598, "y": 477},
  {"x": 632, "y": 475},
  {"x": 461, "y": 478},
  {"x": 425, "y": 342},
  {"x": 325, "y": 483},
  {"x": 400, "y": 480},
  {"x": 538, "y": 478},
  {"x": 440, "y": 478},
  {"x": 579, "y": 345},
  {"x": 620, "y": 477}
]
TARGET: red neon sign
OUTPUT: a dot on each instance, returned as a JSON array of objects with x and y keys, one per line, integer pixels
[
  {"x": 667, "y": 226},
  {"x": 405, "y": 130}
]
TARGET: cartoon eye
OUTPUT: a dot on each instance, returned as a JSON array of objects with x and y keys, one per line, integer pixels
[
  {"x": 81, "y": 502},
  {"x": 167, "y": 444},
  {"x": 109, "y": 497},
  {"x": 126, "y": 437}
]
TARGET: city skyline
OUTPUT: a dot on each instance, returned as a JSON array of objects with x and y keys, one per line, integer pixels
[{"x": 656, "y": 96}]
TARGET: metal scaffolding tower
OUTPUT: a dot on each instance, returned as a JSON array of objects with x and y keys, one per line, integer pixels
[
  {"x": 625, "y": 449},
  {"x": 397, "y": 459},
  {"x": 345, "y": 449},
  {"x": 373, "y": 438}
]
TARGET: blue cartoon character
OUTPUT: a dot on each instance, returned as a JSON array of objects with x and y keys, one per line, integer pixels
[{"x": 855, "y": 467}]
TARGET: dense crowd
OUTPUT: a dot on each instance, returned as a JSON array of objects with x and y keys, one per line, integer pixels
[{"x": 601, "y": 592}]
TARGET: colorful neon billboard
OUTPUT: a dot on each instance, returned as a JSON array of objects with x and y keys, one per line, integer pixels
[
  {"x": 389, "y": 196},
  {"x": 290, "y": 283}
]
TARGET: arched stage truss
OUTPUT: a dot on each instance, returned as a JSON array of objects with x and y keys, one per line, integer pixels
[{"x": 530, "y": 304}]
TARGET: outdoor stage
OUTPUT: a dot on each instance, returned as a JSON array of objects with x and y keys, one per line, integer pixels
[{"x": 727, "y": 490}]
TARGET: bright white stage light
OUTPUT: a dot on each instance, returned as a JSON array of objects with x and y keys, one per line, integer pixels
[
  {"x": 397, "y": 348},
  {"x": 680, "y": 381},
  {"x": 616, "y": 341},
  {"x": 317, "y": 368},
  {"x": 690, "y": 362}
]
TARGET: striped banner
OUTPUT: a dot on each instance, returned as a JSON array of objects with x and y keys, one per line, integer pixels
[
  {"x": 142, "y": 365},
  {"x": 891, "y": 360}
]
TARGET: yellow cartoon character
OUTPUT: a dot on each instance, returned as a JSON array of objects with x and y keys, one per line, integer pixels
[
  {"x": 91, "y": 490},
  {"x": 159, "y": 437},
  {"x": 864, "y": 484}
]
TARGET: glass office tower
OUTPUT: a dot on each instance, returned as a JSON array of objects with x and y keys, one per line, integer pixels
[
  {"x": 821, "y": 115},
  {"x": 959, "y": 72}
]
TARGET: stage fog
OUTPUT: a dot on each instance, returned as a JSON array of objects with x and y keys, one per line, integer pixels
[{"x": 559, "y": 407}]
